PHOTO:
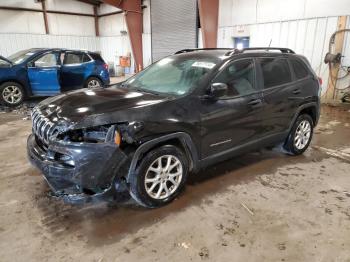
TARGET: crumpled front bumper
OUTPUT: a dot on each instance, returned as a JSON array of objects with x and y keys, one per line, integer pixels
[{"x": 87, "y": 172}]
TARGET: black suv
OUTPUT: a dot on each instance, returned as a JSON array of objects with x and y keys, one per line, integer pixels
[{"x": 182, "y": 113}]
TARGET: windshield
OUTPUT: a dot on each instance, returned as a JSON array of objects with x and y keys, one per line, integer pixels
[
  {"x": 171, "y": 75},
  {"x": 20, "y": 56}
]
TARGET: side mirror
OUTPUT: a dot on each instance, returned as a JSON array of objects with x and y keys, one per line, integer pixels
[{"x": 218, "y": 90}]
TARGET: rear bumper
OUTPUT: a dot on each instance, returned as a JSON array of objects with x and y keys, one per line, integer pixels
[
  {"x": 84, "y": 173},
  {"x": 105, "y": 77}
]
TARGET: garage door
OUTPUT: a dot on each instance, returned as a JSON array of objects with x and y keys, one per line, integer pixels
[{"x": 173, "y": 26}]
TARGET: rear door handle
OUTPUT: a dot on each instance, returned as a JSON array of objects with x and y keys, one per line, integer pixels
[
  {"x": 254, "y": 102},
  {"x": 296, "y": 91}
]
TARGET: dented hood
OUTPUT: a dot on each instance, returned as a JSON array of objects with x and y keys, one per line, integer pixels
[{"x": 91, "y": 107}]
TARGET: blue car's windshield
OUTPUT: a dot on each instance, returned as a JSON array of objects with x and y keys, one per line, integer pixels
[
  {"x": 172, "y": 75},
  {"x": 20, "y": 56}
]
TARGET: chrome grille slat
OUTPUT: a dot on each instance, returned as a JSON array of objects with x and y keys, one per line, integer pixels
[{"x": 42, "y": 127}]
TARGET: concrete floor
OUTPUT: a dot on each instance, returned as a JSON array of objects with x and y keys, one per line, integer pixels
[{"x": 263, "y": 206}]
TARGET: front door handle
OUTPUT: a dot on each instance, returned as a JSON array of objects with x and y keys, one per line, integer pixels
[
  {"x": 254, "y": 102},
  {"x": 296, "y": 91}
]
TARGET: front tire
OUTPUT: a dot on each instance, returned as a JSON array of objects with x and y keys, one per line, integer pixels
[
  {"x": 300, "y": 136},
  {"x": 11, "y": 94},
  {"x": 160, "y": 177},
  {"x": 93, "y": 82}
]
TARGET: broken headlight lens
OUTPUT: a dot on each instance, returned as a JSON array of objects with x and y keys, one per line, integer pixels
[{"x": 99, "y": 134}]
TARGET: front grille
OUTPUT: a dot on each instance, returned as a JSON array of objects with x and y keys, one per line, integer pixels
[
  {"x": 43, "y": 146},
  {"x": 43, "y": 128}
]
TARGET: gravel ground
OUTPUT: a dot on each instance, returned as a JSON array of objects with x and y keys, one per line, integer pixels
[{"x": 263, "y": 206}]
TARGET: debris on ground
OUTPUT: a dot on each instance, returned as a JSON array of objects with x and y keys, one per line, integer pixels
[
  {"x": 185, "y": 245},
  {"x": 281, "y": 246},
  {"x": 24, "y": 109},
  {"x": 204, "y": 253},
  {"x": 250, "y": 212}
]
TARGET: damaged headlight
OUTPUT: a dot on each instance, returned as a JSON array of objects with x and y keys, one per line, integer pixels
[
  {"x": 98, "y": 134},
  {"x": 117, "y": 133}
]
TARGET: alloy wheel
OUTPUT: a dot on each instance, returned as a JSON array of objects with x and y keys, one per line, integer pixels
[
  {"x": 163, "y": 177},
  {"x": 302, "y": 135},
  {"x": 12, "y": 94},
  {"x": 94, "y": 84}
]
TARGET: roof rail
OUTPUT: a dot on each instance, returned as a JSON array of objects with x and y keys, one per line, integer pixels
[
  {"x": 282, "y": 49},
  {"x": 199, "y": 49}
]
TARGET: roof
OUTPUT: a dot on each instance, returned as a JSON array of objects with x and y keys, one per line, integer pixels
[
  {"x": 227, "y": 53},
  {"x": 56, "y": 49}
]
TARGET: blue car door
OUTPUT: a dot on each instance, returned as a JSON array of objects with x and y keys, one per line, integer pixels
[
  {"x": 43, "y": 75},
  {"x": 76, "y": 68}
]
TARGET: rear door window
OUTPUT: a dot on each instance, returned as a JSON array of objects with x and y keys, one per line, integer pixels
[
  {"x": 275, "y": 71},
  {"x": 299, "y": 68}
]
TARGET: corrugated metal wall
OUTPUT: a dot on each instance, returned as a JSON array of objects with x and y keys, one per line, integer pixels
[
  {"x": 11, "y": 43},
  {"x": 173, "y": 26},
  {"x": 309, "y": 37}
]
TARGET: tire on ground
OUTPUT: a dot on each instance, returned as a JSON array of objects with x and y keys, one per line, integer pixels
[
  {"x": 289, "y": 144},
  {"x": 137, "y": 186},
  {"x": 91, "y": 79},
  {"x": 17, "y": 95}
]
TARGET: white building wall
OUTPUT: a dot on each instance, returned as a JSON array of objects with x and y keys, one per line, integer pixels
[
  {"x": 21, "y": 22},
  {"x": 23, "y": 29},
  {"x": 302, "y": 25},
  {"x": 11, "y": 43},
  {"x": 113, "y": 43},
  {"x": 241, "y": 12}
]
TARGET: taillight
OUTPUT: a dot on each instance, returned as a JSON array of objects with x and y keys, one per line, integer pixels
[
  {"x": 320, "y": 81},
  {"x": 105, "y": 66}
]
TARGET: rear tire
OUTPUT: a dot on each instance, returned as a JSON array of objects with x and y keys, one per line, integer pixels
[
  {"x": 93, "y": 82},
  {"x": 160, "y": 177},
  {"x": 11, "y": 94},
  {"x": 300, "y": 136}
]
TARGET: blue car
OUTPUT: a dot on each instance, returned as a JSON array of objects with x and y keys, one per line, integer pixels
[{"x": 48, "y": 72}]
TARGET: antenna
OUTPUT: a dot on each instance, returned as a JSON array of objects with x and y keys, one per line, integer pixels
[{"x": 270, "y": 42}]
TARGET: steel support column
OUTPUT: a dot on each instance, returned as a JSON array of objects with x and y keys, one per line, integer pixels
[
  {"x": 133, "y": 15},
  {"x": 97, "y": 30},
  {"x": 209, "y": 15},
  {"x": 43, "y": 5}
]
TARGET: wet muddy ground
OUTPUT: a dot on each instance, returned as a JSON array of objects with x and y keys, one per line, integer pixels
[{"x": 263, "y": 206}]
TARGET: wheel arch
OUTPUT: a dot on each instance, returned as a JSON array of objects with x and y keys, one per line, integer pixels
[
  {"x": 180, "y": 139},
  {"x": 94, "y": 76},
  {"x": 311, "y": 109}
]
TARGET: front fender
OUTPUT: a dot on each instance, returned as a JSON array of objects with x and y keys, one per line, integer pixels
[{"x": 184, "y": 139}]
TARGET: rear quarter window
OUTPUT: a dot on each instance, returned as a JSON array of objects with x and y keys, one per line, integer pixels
[
  {"x": 96, "y": 57},
  {"x": 299, "y": 68},
  {"x": 275, "y": 71}
]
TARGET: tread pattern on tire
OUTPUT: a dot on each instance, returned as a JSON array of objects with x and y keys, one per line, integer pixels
[
  {"x": 135, "y": 189},
  {"x": 289, "y": 143}
]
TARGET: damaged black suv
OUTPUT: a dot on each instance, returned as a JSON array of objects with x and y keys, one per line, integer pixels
[{"x": 180, "y": 114}]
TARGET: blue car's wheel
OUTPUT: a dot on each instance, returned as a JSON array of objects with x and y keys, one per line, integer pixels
[
  {"x": 11, "y": 94},
  {"x": 93, "y": 82}
]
